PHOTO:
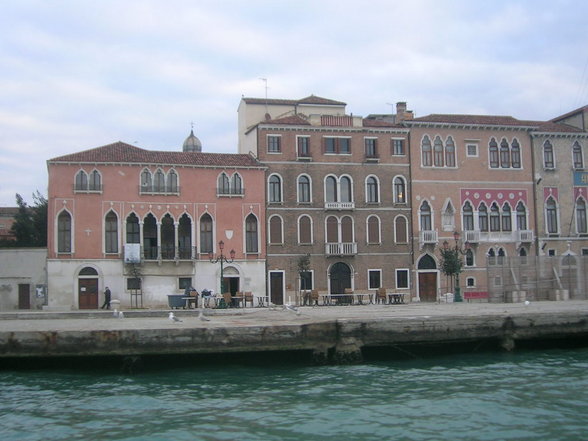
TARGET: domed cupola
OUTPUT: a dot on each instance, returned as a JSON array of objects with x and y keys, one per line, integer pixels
[{"x": 192, "y": 143}]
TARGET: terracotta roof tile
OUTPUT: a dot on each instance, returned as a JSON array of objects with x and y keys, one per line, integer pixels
[
  {"x": 126, "y": 153},
  {"x": 368, "y": 122},
  {"x": 494, "y": 120},
  {"x": 312, "y": 99},
  {"x": 549, "y": 126},
  {"x": 294, "y": 120}
]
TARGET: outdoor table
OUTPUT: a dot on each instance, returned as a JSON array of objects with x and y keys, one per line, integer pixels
[
  {"x": 191, "y": 299},
  {"x": 396, "y": 297}
]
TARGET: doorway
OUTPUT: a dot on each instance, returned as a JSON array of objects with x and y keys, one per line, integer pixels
[
  {"x": 276, "y": 280},
  {"x": 427, "y": 271},
  {"x": 340, "y": 278},
  {"x": 88, "y": 293},
  {"x": 24, "y": 296}
]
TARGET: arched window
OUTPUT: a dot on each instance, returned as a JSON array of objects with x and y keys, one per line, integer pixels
[
  {"x": 427, "y": 159},
  {"x": 223, "y": 184},
  {"x": 448, "y": 217},
  {"x": 172, "y": 181},
  {"x": 494, "y": 217},
  {"x": 146, "y": 181},
  {"x": 493, "y": 153},
  {"x": 551, "y": 216},
  {"x": 438, "y": 152},
  {"x": 185, "y": 237},
  {"x": 332, "y": 226},
  {"x": 159, "y": 181},
  {"x": 515, "y": 154},
  {"x": 425, "y": 217},
  {"x": 331, "y": 189},
  {"x": 346, "y": 191},
  {"x": 251, "y": 234},
  {"x": 303, "y": 189},
  {"x": 275, "y": 230},
  {"x": 468, "y": 217},
  {"x": 521, "y": 217},
  {"x": 483, "y": 217},
  {"x": 167, "y": 228},
  {"x": 548, "y": 161},
  {"x": 399, "y": 190},
  {"x": 64, "y": 232},
  {"x": 81, "y": 181},
  {"x": 304, "y": 230},
  {"x": 506, "y": 218},
  {"x": 581, "y": 216},
  {"x": 206, "y": 234},
  {"x": 111, "y": 233},
  {"x": 373, "y": 229},
  {"x": 469, "y": 257},
  {"x": 504, "y": 154},
  {"x": 577, "y": 155},
  {"x": 150, "y": 233},
  {"x": 133, "y": 229},
  {"x": 95, "y": 181},
  {"x": 372, "y": 194},
  {"x": 236, "y": 184},
  {"x": 449, "y": 152},
  {"x": 275, "y": 189},
  {"x": 347, "y": 229},
  {"x": 400, "y": 230}
]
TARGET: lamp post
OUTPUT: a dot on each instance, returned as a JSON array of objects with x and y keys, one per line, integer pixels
[
  {"x": 452, "y": 264},
  {"x": 222, "y": 259}
]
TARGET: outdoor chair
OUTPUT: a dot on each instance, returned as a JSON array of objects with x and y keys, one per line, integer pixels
[
  {"x": 228, "y": 298},
  {"x": 381, "y": 296},
  {"x": 248, "y": 297},
  {"x": 314, "y": 297}
]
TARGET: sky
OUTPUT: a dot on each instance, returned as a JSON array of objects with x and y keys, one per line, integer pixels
[{"x": 78, "y": 74}]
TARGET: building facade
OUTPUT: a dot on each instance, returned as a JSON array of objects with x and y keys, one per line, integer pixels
[{"x": 144, "y": 223}]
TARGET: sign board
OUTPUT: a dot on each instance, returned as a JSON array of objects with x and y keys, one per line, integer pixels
[
  {"x": 581, "y": 179},
  {"x": 132, "y": 253}
]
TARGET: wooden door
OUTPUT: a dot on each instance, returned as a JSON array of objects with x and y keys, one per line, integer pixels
[
  {"x": 428, "y": 287},
  {"x": 340, "y": 278},
  {"x": 88, "y": 293},
  {"x": 24, "y": 296},
  {"x": 277, "y": 288}
]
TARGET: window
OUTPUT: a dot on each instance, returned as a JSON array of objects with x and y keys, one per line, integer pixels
[
  {"x": 472, "y": 150},
  {"x": 577, "y": 156},
  {"x": 306, "y": 281},
  {"x": 133, "y": 284},
  {"x": 81, "y": 181},
  {"x": 304, "y": 189},
  {"x": 95, "y": 181},
  {"x": 504, "y": 154},
  {"x": 398, "y": 147},
  {"x": 469, "y": 258},
  {"x": 236, "y": 184},
  {"x": 275, "y": 230},
  {"x": 402, "y": 281},
  {"x": 425, "y": 217},
  {"x": 223, "y": 184},
  {"x": 346, "y": 192},
  {"x": 483, "y": 217},
  {"x": 172, "y": 182},
  {"x": 146, "y": 181},
  {"x": 515, "y": 154},
  {"x": 346, "y": 229},
  {"x": 184, "y": 282},
  {"x": 468, "y": 217},
  {"x": 448, "y": 217},
  {"x": 133, "y": 230},
  {"x": 471, "y": 282},
  {"x": 399, "y": 190},
  {"x": 548, "y": 161},
  {"x": 303, "y": 146},
  {"x": 506, "y": 218},
  {"x": 400, "y": 230},
  {"x": 372, "y": 193},
  {"x": 438, "y": 152},
  {"x": 304, "y": 230},
  {"x": 521, "y": 217},
  {"x": 251, "y": 237},
  {"x": 581, "y": 225},
  {"x": 449, "y": 152},
  {"x": 332, "y": 225},
  {"x": 494, "y": 217},
  {"x": 64, "y": 232},
  {"x": 551, "y": 216},
  {"x": 373, "y": 230},
  {"x": 205, "y": 234},
  {"x": 426, "y": 157},
  {"x": 331, "y": 189},
  {"x": 273, "y": 144},
  {"x": 275, "y": 189},
  {"x": 493, "y": 153},
  {"x": 111, "y": 233},
  {"x": 371, "y": 147},
  {"x": 374, "y": 278},
  {"x": 159, "y": 182},
  {"x": 337, "y": 145},
  {"x": 185, "y": 237},
  {"x": 551, "y": 252}
]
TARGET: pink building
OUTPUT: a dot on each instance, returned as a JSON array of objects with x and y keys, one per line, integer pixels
[{"x": 144, "y": 222}]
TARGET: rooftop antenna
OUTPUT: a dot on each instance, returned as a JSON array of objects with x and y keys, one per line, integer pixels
[{"x": 265, "y": 81}]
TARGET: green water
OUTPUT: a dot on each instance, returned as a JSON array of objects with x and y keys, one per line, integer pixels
[{"x": 532, "y": 395}]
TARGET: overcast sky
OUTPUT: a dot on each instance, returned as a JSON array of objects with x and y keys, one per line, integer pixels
[{"x": 80, "y": 74}]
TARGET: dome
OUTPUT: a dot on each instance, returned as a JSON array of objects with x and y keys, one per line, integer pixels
[{"x": 192, "y": 143}]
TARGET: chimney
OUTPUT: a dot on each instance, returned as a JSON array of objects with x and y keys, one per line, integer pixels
[{"x": 401, "y": 113}]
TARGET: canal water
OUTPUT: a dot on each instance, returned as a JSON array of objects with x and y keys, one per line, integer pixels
[{"x": 527, "y": 395}]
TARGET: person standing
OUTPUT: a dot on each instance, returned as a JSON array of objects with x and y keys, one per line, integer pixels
[{"x": 106, "y": 298}]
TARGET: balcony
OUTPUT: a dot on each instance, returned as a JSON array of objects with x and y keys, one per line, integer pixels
[
  {"x": 162, "y": 189},
  {"x": 471, "y": 236},
  {"x": 341, "y": 249},
  {"x": 428, "y": 236},
  {"x": 135, "y": 253},
  {"x": 230, "y": 192},
  {"x": 525, "y": 236},
  {"x": 339, "y": 206}
]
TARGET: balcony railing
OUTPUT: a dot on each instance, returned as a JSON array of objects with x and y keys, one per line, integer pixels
[
  {"x": 525, "y": 236},
  {"x": 165, "y": 189},
  {"x": 341, "y": 248},
  {"x": 87, "y": 188},
  {"x": 428, "y": 236},
  {"x": 472, "y": 236},
  {"x": 160, "y": 253},
  {"x": 230, "y": 192},
  {"x": 339, "y": 205}
]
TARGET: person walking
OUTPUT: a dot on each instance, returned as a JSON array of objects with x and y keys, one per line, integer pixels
[{"x": 106, "y": 298}]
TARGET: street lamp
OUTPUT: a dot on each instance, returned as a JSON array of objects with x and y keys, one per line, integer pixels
[
  {"x": 452, "y": 264},
  {"x": 222, "y": 259}
]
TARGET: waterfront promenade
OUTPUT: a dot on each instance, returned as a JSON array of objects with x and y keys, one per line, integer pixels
[{"x": 333, "y": 333}]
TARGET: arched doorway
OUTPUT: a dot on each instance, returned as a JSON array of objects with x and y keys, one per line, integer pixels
[
  {"x": 88, "y": 288},
  {"x": 340, "y": 278},
  {"x": 427, "y": 270}
]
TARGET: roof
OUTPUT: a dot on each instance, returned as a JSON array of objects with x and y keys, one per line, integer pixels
[
  {"x": 294, "y": 120},
  {"x": 8, "y": 211},
  {"x": 492, "y": 120},
  {"x": 312, "y": 99},
  {"x": 120, "y": 152},
  {"x": 552, "y": 127},
  {"x": 369, "y": 122},
  {"x": 573, "y": 112}
]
